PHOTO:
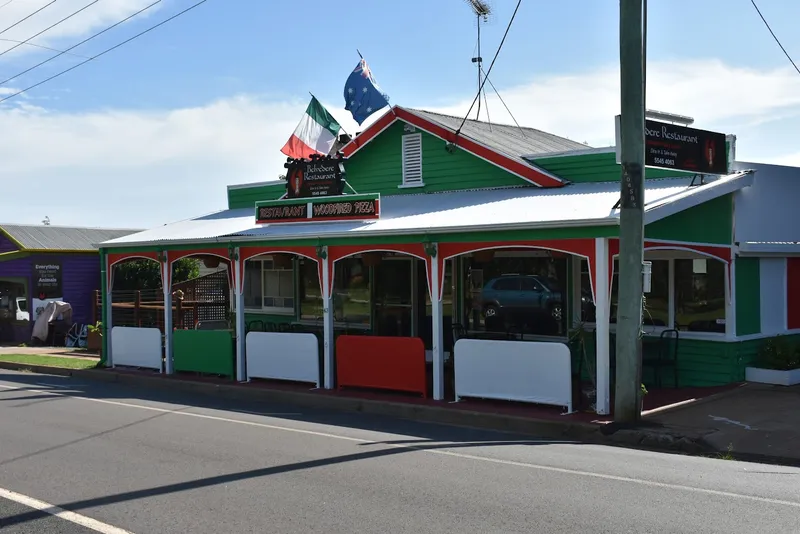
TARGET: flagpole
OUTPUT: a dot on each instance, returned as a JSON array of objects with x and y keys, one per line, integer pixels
[{"x": 391, "y": 107}]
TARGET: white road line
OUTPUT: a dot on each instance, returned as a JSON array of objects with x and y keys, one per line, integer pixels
[
  {"x": 497, "y": 461},
  {"x": 66, "y": 515}
]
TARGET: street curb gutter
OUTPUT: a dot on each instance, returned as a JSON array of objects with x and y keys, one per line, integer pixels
[{"x": 653, "y": 437}]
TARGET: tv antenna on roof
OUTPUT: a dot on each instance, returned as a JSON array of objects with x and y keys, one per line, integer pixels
[{"x": 482, "y": 10}]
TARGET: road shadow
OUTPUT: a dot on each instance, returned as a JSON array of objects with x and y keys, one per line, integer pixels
[
  {"x": 417, "y": 430},
  {"x": 106, "y": 500}
]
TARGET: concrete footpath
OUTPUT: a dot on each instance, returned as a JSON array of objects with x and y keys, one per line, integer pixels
[
  {"x": 688, "y": 430},
  {"x": 755, "y": 421}
]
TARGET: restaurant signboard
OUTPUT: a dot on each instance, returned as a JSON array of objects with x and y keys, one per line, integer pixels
[
  {"x": 320, "y": 176},
  {"x": 672, "y": 146},
  {"x": 340, "y": 208}
]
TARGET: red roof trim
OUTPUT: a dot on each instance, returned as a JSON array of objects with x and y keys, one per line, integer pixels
[
  {"x": 526, "y": 172},
  {"x": 370, "y": 133}
]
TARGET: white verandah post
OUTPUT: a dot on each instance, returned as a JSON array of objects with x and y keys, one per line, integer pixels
[
  {"x": 166, "y": 283},
  {"x": 602, "y": 320},
  {"x": 327, "y": 316},
  {"x": 437, "y": 320},
  {"x": 238, "y": 289}
]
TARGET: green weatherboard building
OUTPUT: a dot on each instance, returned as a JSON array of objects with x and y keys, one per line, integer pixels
[{"x": 499, "y": 233}]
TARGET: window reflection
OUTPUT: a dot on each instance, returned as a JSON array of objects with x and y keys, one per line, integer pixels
[
  {"x": 700, "y": 295},
  {"x": 656, "y": 310},
  {"x": 351, "y": 292},
  {"x": 698, "y": 300},
  {"x": 515, "y": 291}
]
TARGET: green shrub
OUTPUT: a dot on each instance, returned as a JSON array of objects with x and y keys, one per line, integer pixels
[{"x": 780, "y": 353}]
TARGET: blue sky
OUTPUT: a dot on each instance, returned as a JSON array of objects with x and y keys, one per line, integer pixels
[{"x": 209, "y": 98}]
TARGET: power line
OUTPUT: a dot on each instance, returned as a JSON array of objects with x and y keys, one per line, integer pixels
[
  {"x": 4, "y": 5},
  {"x": 98, "y": 34},
  {"x": 37, "y": 45},
  {"x": 504, "y": 103},
  {"x": 775, "y": 37},
  {"x": 27, "y": 17},
  {"x": 49, "y": 27},
  {"x": 480, "y": 89},
  {"x": 106, "y": 51}
]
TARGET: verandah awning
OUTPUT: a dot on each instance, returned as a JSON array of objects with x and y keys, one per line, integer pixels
[{"x": 576, "y": 205}]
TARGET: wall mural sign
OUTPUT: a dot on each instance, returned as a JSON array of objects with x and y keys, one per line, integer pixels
[
  {"x": 341, "y": 208},
  {"x": 672, "y": 146},
  {"x": 47, "y": 284},
  {"x": 320, "y": 176}
]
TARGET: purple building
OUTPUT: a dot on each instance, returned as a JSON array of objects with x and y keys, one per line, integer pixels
[{"x": 40, "y": 263}]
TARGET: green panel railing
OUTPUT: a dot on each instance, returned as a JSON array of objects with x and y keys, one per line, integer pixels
[{"x": 204, "y": 351}]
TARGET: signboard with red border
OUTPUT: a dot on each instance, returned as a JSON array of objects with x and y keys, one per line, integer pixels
[
  {"x": 340, "y": 208},
  {"x": 677, "y": 147},
  {"x": 321, "y": 176}
]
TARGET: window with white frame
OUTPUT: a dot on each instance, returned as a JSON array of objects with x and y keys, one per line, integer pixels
[
  {"x": 687, "y": 293},
  {"x": 268, "y": 286},
  {"x": 412, "y": 160}
]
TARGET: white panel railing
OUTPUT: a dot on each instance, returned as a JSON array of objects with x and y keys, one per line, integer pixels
[
  {"x": 283, "y": 356},
  {"x": 136, "y": 347},
  {"x": 524, "y": 371}
]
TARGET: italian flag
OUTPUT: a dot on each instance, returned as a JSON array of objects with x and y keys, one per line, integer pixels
[{"x": 315, "y": 134}]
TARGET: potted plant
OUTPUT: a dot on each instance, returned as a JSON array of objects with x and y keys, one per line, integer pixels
[
  {"x": 778, "y": 363},
  {"x": 94, "y": 337}
]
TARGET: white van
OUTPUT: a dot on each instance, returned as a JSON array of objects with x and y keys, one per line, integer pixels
[{"x": 22, "y": 309}]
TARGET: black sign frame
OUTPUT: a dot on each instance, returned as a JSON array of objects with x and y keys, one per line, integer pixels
[
  {"x": 672, "y": 146},
  {"x": 47, "y": 279},
  {"x": 319, "y": 176},
  {"x": 342, "y": 208}
]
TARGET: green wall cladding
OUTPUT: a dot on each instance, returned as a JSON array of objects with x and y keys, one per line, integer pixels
[
  {"x": 701, "y": 363},
  {"x": 204, "y": 351},
  {"x": 246, "y": 197},
  {"x": 378, "y": 167},
  {"x": 595, "y": 168},
  {"x": 710, "y": 222},
  {"x": 748, "y": 296}
]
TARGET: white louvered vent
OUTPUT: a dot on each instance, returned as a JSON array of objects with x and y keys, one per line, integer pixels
[{"x": 412, "y": 160}]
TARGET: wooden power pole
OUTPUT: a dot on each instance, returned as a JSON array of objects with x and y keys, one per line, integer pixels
[{"x": 631, "y": 226}]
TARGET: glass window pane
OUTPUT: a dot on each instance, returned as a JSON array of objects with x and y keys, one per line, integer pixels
[
  {"x": 351, "y": 292},
  {"x": 252, "y": 284},
  {"x": 310, "y": 294},
  {"x": 656, "y": 312},
  {"x": 588, "y": 312},
  {"x": 516, "y": 291},
  {"x": 700, "y": 295}
]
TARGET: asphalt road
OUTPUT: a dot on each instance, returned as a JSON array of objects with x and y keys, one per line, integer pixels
[
  {"x": 38, "y": 522},
  {"x": 149, "y": 461}
]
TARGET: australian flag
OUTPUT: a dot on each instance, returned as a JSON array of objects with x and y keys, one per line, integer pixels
[{"x": 362, "y": 95}]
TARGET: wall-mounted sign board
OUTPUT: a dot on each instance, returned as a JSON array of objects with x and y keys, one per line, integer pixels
[
  {"x": 319, "y": 177},
  {"x": 672, "y": 146},
  {"x": 340, "y": 208}
]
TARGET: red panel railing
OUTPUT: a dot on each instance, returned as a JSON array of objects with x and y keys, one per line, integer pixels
[{"x": 392, "y": 363}]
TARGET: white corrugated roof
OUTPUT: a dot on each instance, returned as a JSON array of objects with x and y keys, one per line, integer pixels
[{"x": 527, "y": 207}]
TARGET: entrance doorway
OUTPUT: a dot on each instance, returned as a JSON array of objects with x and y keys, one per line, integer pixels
[
  {"x": 403, "y": 303},
  {"x": 14, "y": 313},
  {"x": 394, "y": 297}
]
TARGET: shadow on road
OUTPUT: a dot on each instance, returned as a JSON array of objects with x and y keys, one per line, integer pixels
[{"x": 420, "y": 436}]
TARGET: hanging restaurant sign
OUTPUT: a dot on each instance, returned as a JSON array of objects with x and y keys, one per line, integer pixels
[
  {"x": 320, "y": 176},
  {"x": 341, "y": 208},
  {"x": 672, "y": 146}
]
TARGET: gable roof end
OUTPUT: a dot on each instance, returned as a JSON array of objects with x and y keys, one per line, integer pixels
[{"x": 500, "y": 145}]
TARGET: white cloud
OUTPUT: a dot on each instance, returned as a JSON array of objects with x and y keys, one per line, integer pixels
[
  {"x": 140, "y": 169},
  {"x": 583, "y": 106},
  {"x": 94, "y": 18}
]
